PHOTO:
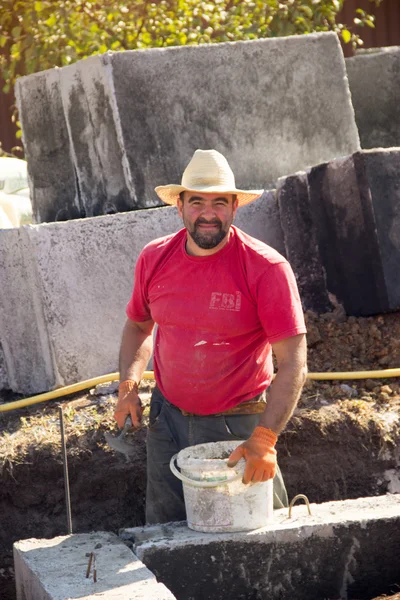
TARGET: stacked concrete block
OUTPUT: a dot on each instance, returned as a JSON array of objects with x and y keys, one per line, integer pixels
[
  {"x": 134, "y": 118},
  {"x": 343, "y": 550},
  {"x": 61, "y": 568},
  {"x": 374, "y": 78},
  {"x": 341, "y": 229}
]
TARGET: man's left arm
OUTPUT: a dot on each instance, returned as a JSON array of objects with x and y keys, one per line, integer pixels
[{"x": 259, "y": 450}]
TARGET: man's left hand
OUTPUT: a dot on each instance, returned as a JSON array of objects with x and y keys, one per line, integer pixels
[{"x": 260, "y": 454}]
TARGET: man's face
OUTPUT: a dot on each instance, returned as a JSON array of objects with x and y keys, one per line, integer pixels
[{"x": 207, "y": 217}]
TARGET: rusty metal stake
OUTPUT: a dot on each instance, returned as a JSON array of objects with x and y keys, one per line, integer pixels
[
  {"x": 65, "y": 466},
  {"x": 92, "y": 558}
]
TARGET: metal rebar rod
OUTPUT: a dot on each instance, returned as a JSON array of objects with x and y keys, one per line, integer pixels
[{"x": 65, "y": 466}]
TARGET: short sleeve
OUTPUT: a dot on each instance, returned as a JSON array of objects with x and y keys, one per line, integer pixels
[
  {"x": 279, "y": 304},
  {"x": 138, "y": 308}
]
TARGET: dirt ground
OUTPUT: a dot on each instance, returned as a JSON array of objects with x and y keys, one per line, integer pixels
[{"x": 342, "y": 442}]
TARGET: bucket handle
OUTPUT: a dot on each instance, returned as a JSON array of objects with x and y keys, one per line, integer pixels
[{"x": 195, "y": 482}]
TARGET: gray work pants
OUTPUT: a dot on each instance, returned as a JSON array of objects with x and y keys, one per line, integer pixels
[{"x": 169, "y": 432}]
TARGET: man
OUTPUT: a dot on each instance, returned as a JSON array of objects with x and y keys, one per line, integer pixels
[{"x": 222, "y": 300}]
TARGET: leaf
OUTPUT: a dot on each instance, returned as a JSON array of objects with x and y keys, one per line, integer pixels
[
  {"x": 38, "y": 6},
  {"x": 3, "y": 40},
  {"x": 346, "y": 35},
  {"x": 16, "y": 32}
]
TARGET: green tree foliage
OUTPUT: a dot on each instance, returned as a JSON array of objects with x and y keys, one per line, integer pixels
[{"x": 40, "y": 34}]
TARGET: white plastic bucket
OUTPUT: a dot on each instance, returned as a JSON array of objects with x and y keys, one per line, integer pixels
[{"x": 216, "y": 500}]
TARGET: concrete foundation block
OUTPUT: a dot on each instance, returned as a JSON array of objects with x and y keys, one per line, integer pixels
[
  {"x": 270, "y": 106},
  {"x": 301, "y": 242},
  {"x": 374, "y": 79},
  {"x": 56, "y": 569},
  {"x": 53, "y": 186},
  {"x": 345, "y": 550}
]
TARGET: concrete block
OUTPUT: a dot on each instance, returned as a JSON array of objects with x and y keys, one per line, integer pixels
[
  {"x": 374, "y": 79},
  {"x": 85, "y": 271},
  {"x": 301, "y": 242},
  {"x": 261, "y": 219},
  {"x": 382, "y": 168},
  {"x": 270, "y": 106},
  {"x": 127, "y": 121},
  {"x": 26, "y": 349},
  {"x": 56, "y": 569},
  {"x": 344, "y": 220},
  {"x": 345, "y": 550},
  {"x": 101, "y": 167},
  {"x": 54, "y": 191}
]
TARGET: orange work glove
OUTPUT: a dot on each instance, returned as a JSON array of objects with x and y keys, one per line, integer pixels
[
  {"x": 260, "y": 455},
  {"x": 128, "y": 404}
]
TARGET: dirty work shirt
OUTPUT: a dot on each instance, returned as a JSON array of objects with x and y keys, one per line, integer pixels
[{"x": 217, "y": 317}]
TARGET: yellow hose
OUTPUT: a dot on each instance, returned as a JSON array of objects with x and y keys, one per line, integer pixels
[
  {"x": 65, "y": 391},
  {"x": 88, "y": 383}
]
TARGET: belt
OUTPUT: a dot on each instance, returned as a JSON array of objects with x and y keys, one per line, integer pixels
[{"x": 249, "y": 407}]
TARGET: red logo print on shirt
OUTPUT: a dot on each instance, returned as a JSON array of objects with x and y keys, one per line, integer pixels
[{"x": 220, "y": 301}]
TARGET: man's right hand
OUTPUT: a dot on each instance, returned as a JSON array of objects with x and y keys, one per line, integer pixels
[{"x": 128, "y": 404}]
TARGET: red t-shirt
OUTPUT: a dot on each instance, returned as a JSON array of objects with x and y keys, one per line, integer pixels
[{"x": 217, "y": 317}]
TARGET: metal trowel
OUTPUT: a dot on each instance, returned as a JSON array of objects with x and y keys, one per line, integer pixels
[{"x": 124, "y": 442}]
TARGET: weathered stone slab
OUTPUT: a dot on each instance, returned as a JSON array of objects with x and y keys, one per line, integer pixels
[
  {"x": 344, "y": 220},
  {"x": 301, "y": 242},
  {"x": 374, "y": 78},
  {"x": 270, "y": 106},
  {"x": 100, "y": 162},
  {"x": 344, "y": 550},
  {"x": 56, "y": 569},
  {"x": 54, "y": 192}
]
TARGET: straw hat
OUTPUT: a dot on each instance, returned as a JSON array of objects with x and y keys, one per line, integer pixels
[{"x": 207, "y": 172}]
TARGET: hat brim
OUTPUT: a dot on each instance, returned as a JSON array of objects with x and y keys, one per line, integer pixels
[{"x": 170, "y": 193}]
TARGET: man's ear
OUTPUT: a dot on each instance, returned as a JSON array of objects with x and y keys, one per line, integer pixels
[
  {"x": 179, "y": 206},
  {"x": 235, "y": 204}
]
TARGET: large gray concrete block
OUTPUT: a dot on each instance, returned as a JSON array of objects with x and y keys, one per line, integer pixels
[
  {"x": 344, "y": 550},
  {"x": 56, "y": 569},
  {"x": 134, "y": 119},
  {"x": 374, "y": 79},
  {"x": 271, "y": 106},
  {"x": 85, "y": 269},
  {"x": 54, "y": 192},
  {"x": 301, "y": 242}
]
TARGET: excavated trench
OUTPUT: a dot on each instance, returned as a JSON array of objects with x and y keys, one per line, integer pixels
[{"x": 341, "y": 443}]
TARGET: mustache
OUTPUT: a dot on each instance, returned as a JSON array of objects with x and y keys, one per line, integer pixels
[{"x": 201, "y": 220}]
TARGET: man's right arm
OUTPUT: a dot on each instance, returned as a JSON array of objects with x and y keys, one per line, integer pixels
[{"x": 135, "y": 353}]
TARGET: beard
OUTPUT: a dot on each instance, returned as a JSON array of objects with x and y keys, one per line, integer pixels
[{"x": 207, "y": 240}]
